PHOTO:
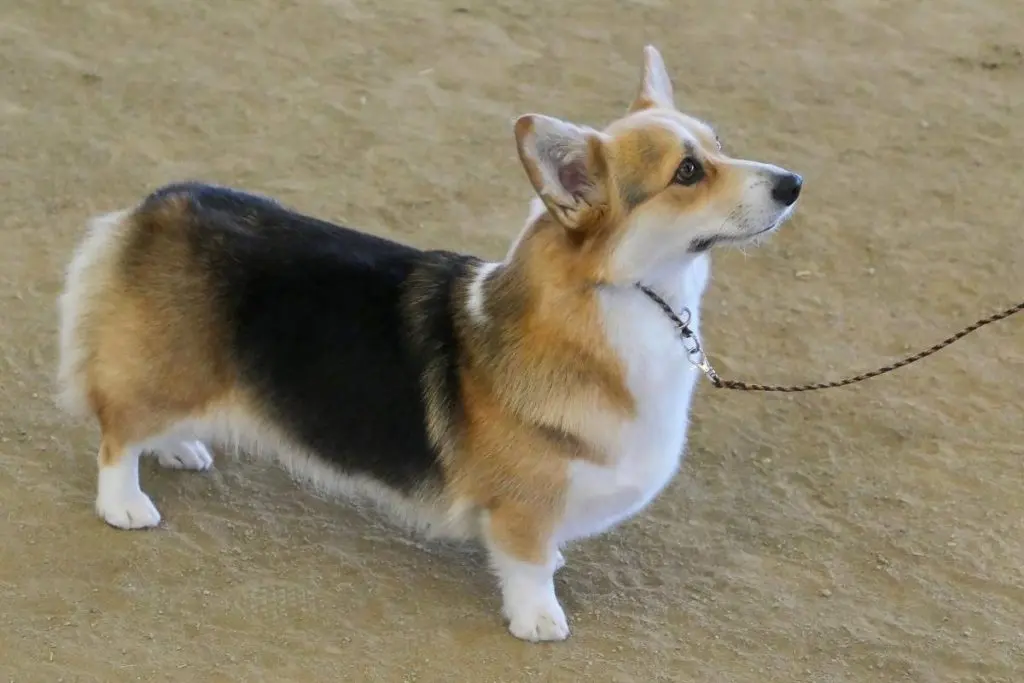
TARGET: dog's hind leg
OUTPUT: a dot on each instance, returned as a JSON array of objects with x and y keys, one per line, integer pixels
[
  {"x": 133, "y": 423},
  {"x": 184, "y": 455}
]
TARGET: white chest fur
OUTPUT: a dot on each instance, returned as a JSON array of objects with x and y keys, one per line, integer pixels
[{"x": 645, "y": 452}]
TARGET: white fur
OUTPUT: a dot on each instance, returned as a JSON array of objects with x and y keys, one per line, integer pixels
[
  {"x": 657, "y": 86},
  {"x": 528, "y": 596},
  {"x": 646, "y": 451},
  {"x": 86, "y": 276},
  {"x": 475, "y": 300},
  {"x": 185, "y": 455},
  {"x": 536, "y": 210},
  {"x": 119, "y": 500},
  {"x": 184, "y": 446}
]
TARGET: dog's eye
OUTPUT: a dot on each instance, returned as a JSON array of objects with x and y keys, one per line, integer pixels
[{"x": 689, "y": 172}]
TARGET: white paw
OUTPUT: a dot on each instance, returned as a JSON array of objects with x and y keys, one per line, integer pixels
[
  {"x": 559, "y": 560},
  {"x": 544, "y": 621},
  {"x": 187, "y": 455},
  {"x": 131, "y": 510}
]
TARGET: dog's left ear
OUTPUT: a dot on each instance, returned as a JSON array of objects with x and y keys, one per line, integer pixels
[
  {"x": 656, "y": 88},
  {"x": 568, "y": 167}
]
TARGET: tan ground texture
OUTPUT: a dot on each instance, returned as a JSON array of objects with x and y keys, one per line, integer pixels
[{"x": 867, "y": 534}]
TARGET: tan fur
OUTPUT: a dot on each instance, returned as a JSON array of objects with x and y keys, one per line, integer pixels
[
  {"x": 153, "y": 350},
  {"x": 527, "y": 385}
]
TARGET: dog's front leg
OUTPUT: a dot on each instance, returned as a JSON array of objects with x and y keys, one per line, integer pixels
[{"x": 525, "y": 558}]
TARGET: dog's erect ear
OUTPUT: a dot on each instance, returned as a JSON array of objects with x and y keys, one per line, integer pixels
[
  {"x": 567, "y": 165},
  {"x": 656, "y": 88}
]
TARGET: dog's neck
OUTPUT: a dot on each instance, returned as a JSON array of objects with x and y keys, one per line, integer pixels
[{"x": 547, "y": 261}]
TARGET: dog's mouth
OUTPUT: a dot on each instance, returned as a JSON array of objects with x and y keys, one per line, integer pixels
[{"x": 702, "y": 244}]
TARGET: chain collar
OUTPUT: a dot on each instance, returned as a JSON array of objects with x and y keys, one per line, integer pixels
[{"x": 691, "y": 342}]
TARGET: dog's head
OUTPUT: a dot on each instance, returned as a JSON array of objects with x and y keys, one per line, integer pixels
[{"x": 654, "y": 187}]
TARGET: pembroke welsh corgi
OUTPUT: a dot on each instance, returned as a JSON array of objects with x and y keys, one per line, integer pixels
[{"x": 525, "y": 403}]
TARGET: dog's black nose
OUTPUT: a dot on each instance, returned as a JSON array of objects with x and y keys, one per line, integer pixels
[{"x": 787, "y": 188}]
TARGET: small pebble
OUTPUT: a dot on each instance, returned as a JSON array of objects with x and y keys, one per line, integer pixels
[{"x": 825, "y": 593}]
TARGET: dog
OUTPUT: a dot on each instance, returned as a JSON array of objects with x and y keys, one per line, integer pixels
[{"x": 524, "y": 403}]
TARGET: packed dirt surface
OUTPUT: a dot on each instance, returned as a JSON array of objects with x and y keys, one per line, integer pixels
[{"x": 874, "y": 533}]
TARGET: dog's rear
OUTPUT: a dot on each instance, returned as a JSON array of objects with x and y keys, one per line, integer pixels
[
  {"x": 209, "y": 316},
  {"x": 136, "y": 351}
]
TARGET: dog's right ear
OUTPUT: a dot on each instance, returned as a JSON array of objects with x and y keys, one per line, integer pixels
[
  {"x": 567, "y": 166},
  {"x": 656, "y": 87}
]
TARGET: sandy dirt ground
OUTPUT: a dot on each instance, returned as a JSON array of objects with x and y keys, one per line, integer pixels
[{"x": 868, "y": 534}]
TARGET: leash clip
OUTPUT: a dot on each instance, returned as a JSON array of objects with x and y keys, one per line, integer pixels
[
  {"x": 698, "y": 359},
  {"x": 695, "y": 352}
]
